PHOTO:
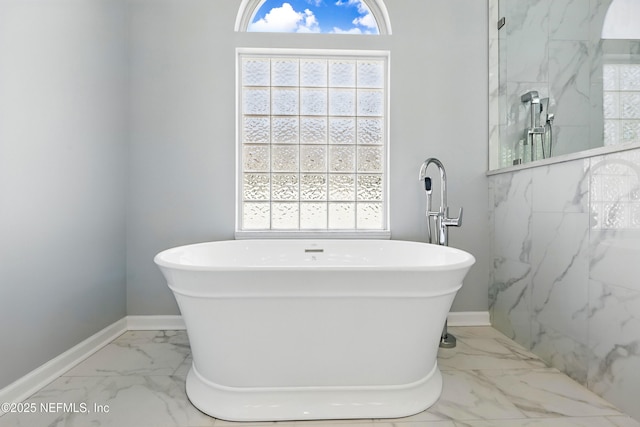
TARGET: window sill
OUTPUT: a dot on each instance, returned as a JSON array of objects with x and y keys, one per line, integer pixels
[{"x": 296, "y": 234}]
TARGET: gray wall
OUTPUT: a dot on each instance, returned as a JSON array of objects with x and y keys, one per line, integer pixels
[
  {"x": 62, "y": 176},
  {"x": 117, "y": 140},
  {"x": 182, "y": 152}
]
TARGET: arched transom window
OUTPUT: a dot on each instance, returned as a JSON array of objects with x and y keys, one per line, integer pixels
[{"x": 314, "y": 16}]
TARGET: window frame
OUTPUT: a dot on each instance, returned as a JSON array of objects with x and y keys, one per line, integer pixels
[{"x": 240, "y": 233}]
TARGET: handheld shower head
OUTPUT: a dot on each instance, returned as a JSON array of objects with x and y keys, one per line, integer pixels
[
  {"x": 427, "y": 184},
  {"x": 531, "y": 96}
]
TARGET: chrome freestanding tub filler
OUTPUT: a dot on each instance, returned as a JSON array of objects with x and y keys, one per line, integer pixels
[{"x": 314, "y": 329}]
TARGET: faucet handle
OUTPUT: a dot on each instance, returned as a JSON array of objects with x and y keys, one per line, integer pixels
[{"x": 453, "y": 222}]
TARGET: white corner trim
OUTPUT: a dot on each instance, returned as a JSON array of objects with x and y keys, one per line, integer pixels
[
  {"x": 469, "y": 318},
  {"x": 27, "y": 385},
  {"x": 155, "y": 323}
]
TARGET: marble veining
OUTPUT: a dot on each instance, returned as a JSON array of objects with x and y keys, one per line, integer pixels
[
  {"x": 513, "y": 216},
  {"x": 574, "y": 300},
  {"x": 510, "y": 299},
  {"x": 561, "y": 351},
  {"x": 561, "y": 188},
  {"x": 569, "y": 81},
  {"x": 569, "y": 20},
  {"x": 560, "y": 261},
  {"x": 489, "y": 381},
  {"x": 548, "y": 393},
  {"x": 614, "y": 342}
]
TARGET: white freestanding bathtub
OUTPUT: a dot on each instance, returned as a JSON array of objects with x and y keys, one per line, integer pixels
[{"x": 322, "y": 329}]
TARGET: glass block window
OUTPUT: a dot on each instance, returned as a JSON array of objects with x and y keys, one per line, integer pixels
[
  {"x": 313, "y": 143},
  {"x": 621, "y": 103}
]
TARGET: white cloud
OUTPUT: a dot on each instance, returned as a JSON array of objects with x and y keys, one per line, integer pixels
[
  {"x": 362, "y": 8},
  {"x": 366, "y": 21},
  {"x": 310, "y": 23},
  {"x": 285, "y": 19}
]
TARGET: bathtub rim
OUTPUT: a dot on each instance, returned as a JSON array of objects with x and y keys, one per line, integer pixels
[{"x": 468, "y": 261}]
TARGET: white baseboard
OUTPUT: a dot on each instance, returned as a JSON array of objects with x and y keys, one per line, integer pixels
[
  {"x": 468, "y": 318},
  {"x": 24, "y": 387},
  {"x": 155, "y": 323}
]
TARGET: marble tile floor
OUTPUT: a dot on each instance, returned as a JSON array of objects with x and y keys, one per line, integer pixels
[{"x": 489, "y": 381}]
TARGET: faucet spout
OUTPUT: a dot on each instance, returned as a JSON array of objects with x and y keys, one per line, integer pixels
[
  {"x": 443, "y": 177},
  {"x": 441, "y": 216}
]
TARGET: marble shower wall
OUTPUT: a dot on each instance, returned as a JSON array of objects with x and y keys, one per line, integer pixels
[
  {"x": 566, "y": 268},
  {"x": 553, "y": 47}
]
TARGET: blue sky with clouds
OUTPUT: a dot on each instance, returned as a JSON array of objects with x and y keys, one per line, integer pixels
[{"x": 314, "y": 16}]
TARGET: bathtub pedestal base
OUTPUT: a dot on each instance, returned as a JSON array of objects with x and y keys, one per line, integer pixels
[{"x": 312, "y": 403}]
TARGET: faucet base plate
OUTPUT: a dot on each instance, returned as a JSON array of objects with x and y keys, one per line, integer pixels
[{"x": 448, "y": 341}]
